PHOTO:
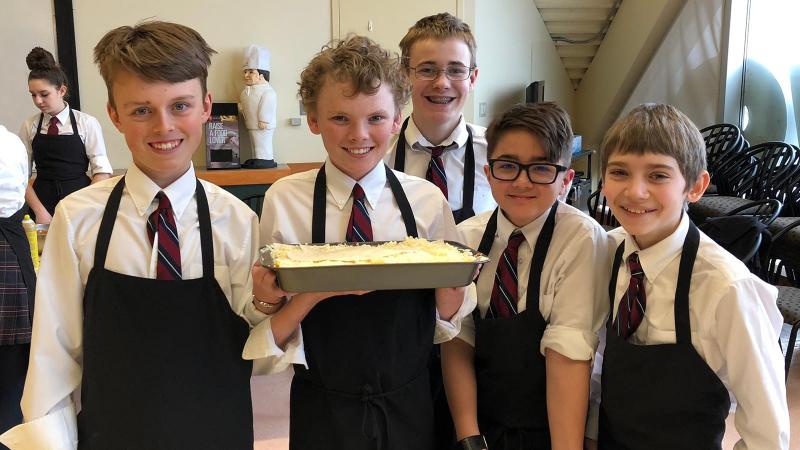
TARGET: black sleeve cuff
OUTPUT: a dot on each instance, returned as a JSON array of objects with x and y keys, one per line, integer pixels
[{"x": 477, "y": 442}]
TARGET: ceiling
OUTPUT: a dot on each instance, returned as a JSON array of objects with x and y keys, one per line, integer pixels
[{"x": 577, "y": 28}]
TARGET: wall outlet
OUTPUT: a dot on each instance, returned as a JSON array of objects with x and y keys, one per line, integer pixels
[
  {"x": 482, "y": 109},
  {"x": 294, "y": 121}
]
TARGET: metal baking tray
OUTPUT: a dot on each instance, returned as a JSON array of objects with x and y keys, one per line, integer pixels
[{"x": 369, "y": 277}]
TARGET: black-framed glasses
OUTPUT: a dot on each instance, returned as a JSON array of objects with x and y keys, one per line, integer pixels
[
  {"x": 453, "y": 72},
  {"x": 538, "y": 173}
]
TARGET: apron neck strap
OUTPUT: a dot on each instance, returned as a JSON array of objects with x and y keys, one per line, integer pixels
[
  {"x": 683, "y": 331},
  {"x": 319, "y": 212},
  {"x": 400, "y": 148},
  {"x": 110, "y": 215}
]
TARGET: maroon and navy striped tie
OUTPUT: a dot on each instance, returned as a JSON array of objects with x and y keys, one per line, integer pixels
[
  {"x": 633, "y": 302},
  {"x": 169, "y": 252},
  {"x": 359, "y": 228},
  {"x": 505, "y": 292},
  {"x": 52, "y": 128},
  {"x": 436, "y": 173}
]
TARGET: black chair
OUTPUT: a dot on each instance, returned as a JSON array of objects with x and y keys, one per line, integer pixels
[
  {"x": 255, "y": 202},
  {"x": 761, "y": 172},
  {"x": 782, "y": 272},
  {"x": 599, "y": 209},
  {"x": 723, "y": 141}
]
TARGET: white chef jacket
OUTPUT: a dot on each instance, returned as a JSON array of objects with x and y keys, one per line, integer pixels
[{"x": 13, "y": 173}]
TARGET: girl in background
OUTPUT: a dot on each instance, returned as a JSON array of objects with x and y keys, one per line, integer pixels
[{"x": 62, "y": 141}]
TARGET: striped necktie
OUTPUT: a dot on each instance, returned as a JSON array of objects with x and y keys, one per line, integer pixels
[
  {"x": 505, "y": 292},
  {"x": 52, "y": 129},
  {"x": 436, "y": 173},
  {"x": 162, "y": 221},
  {"x": 633, "y": 302},
  {"x": 359, "y": 228}
]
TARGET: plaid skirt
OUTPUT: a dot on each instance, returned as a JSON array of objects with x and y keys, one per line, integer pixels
[{"x": 15, "y": 313}]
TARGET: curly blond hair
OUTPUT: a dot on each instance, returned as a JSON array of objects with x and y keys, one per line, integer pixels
[{"x": 358, "y": 61}]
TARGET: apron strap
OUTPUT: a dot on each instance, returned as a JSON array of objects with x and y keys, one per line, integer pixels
[
  {"x": 318, "y": 210},
  {"x": 206, "y": 239},
  {"x": 612, "y": 284},
  {"x": 400, "y": 148},
  {"x": 488, "y": 234},
  {"x": 539, "y": 255},
  {"x": 110, "y": 216},
  {"x": 107, "y": 224},
  {"x": 683, "y": 331},
  {"x": 402, "y": 203},
  {"x": 39, "y": 126},
  {"x": 469, "y": 174}
]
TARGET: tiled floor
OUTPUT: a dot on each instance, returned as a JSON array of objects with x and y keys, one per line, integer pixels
[{"x": 271, "y": 409}]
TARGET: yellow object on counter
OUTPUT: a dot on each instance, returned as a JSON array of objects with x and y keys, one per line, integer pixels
[{"x": 30, "y": 232}]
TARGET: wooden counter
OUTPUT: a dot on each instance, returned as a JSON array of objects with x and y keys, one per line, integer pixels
[{"x": 242, "y": 177}]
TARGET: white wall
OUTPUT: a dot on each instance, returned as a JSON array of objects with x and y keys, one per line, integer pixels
[
  {"x": 634, "y": 35},
  {"x": 292, "y": 31},
  {"x": 20, "y": 30},
  {"x": 685, "y": 70},
  {"x": 514, "y": 49}
]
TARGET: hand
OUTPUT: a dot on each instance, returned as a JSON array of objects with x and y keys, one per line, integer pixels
[
  {"x": 265, "y": 285},
  {"x": 43, "y": 217},
  {"x": 589, "y": 444},
  {"x": 262, "y": 125},
  {"x": 449, "y": 300}
]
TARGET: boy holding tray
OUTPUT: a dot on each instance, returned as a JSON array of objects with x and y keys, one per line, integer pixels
[
  {"x": 360, "y": 360},
  {"x": 518, "y": 372}
]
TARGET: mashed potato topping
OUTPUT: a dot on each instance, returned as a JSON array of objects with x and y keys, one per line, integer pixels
[{"x": 411, "y": 250}]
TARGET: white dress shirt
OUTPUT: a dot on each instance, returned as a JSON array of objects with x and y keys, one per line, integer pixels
[
  {"x": 286, "y": 218},
  {"x": 55, "y": 368},
  {"x": 13, "y": 173},
  {"x": 570, "y": 294},
  {"x": 88, "y": 129},
  {"x": 735, "y": 327},
  {"x": 418, "y": 158}
]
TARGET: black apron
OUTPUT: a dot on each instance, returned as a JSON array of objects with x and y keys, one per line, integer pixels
[
  {"x": 61, "y": 164},
  {"x": 366, "y": 386},
  {"x": 509, "y": 368},
  {"x": 162, "y": 360},
  {"x": 466, "y": 210},
  {"x": 661, "y": 397},
  {"x": 14, "y": 234}
]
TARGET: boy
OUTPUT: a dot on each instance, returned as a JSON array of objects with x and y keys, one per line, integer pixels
[
  {"x": 695, "y": 322},
  {"x": 151, "y": 334},
  {"x": 438, "y": 54},
  {"x": 360, "y": 361},
  {"x": 518, "y": 372}
]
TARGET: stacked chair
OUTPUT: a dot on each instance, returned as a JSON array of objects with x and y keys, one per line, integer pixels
[
  {"x": 597, "y": 205},
  {"x": 783, "y": 271}
]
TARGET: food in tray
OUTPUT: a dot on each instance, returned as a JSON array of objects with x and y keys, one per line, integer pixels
[{"x": 410, "y": 250}]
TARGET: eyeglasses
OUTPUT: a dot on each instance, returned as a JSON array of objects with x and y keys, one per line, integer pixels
[
  {"x": 453, "y": 72},
  {"x": 538, "y": 173}
]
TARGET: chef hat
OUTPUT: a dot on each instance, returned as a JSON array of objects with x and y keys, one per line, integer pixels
[{"x": 256, "y": 57}]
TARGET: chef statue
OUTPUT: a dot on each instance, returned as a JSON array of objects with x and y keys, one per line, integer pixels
[{"x": 258, "y": 104}]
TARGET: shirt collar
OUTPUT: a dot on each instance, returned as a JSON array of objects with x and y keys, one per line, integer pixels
[
  {"x": 531, "y": 230},
  {"x": 457, "y": 139},
  {"x": 143, "y": 190},
  {"x": 341, "y": 185},
  {"x": 657, "y": 257},
  {"x": 63, "y": 116}
]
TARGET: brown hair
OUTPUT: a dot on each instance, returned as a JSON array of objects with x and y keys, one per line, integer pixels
[
  {"x": 547, "y": 121},
  {"x": 438, "y": 27},
  {"x": 661, "y": 129},
  {"x": 154, "y": 51},
  {"x": 44, "y": 67},
  {"x": 359, "y": 61}
]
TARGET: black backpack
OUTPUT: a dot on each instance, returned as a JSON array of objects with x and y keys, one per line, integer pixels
[{"x": 740, "y": 235}]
